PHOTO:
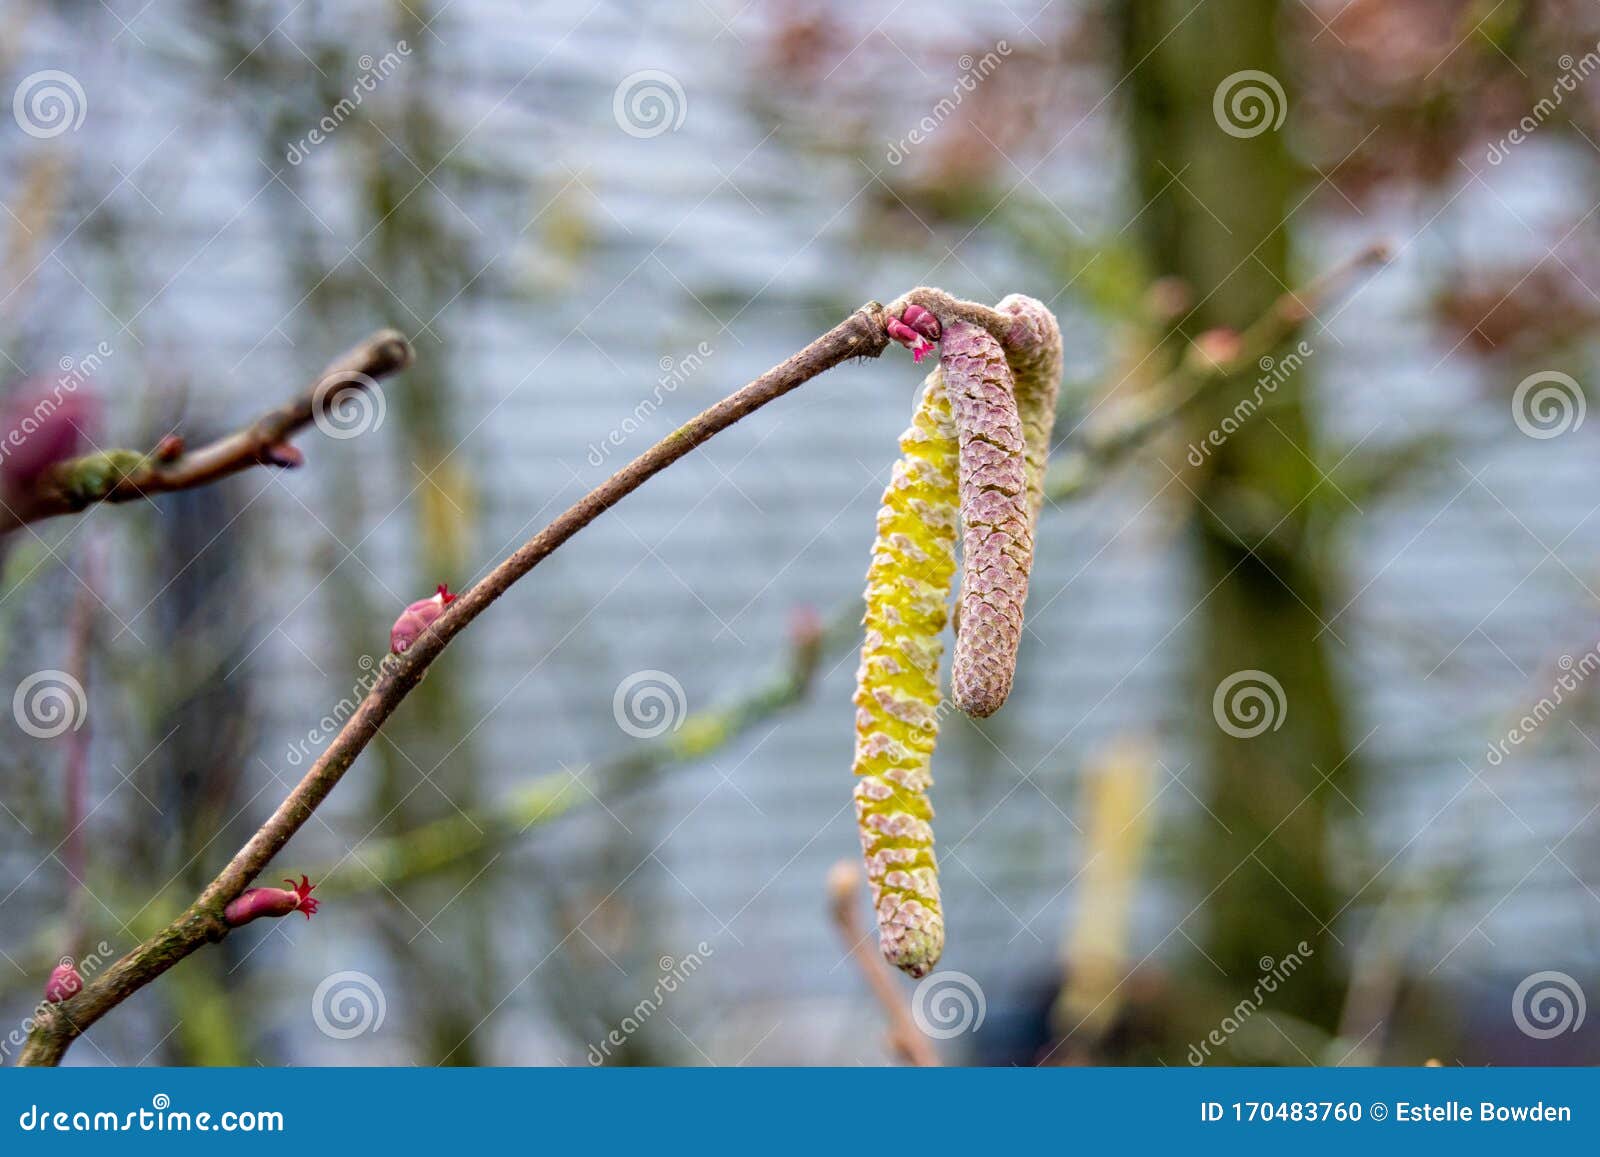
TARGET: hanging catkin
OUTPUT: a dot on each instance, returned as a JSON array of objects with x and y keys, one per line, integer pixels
[
  {"x": 897, "y": 685},
  {"x": 974, "y": 457},
  {"x": 1033, "y": 351},
  {"x": 996, "y": 518}
]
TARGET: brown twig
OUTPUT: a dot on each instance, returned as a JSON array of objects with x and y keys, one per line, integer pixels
[
  {"x": 909, "y": 1043},
  {"x": 861, "y": 335},
  {"x": 124, "y": 475}
]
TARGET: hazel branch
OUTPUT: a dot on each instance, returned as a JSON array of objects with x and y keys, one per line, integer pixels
[
  {"x": 436, "y": 846},
  {"x": 124, "y": 475},
  {"x": 863, "y": 334}
]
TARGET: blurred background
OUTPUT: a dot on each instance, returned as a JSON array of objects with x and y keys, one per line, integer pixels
[{"x": 1300, "y": 765}]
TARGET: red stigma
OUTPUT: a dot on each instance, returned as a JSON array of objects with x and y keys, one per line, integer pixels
[{"x": 302, "y": 891}]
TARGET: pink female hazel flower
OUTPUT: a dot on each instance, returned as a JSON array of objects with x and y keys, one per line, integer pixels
[
  {"x": 259, "y": 902},
  {"x": 916, "y": 329},
  {"x": 418, "y": 617},
  {"x": 64, "y": 982}
]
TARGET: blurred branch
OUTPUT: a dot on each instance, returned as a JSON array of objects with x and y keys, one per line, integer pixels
[
  {"x": 124, "y": 475},
  {"x": 438, "y": 845},
  {"x": 1205, "y": 368},
  {"x": 909, "y": 1043},
  {"x": 85, "y": 609},
  {"x": 863, "y": 334}
]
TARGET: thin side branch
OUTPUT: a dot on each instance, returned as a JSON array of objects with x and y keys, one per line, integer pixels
[
  {"x": 905, "y": 1039},
  {"x": 124, "y": 475},
  {"x": 1202, "y": 372},
  {"x": 863, "y": 334}
]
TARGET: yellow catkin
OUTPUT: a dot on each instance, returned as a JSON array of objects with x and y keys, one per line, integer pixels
[{"x": 897, "y": 685}]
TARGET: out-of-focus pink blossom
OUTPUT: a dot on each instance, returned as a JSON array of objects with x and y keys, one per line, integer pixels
[{"x": 42, "y": 423}]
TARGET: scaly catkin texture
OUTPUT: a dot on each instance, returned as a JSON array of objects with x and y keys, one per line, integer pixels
[
  {"x": 897, "y": 685},
  {"x": 1033, "y": 349},
  {"x": 996, "y": 518}
]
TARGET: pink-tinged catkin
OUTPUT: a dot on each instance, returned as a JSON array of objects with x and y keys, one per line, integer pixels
[
  {"x": 897, "y": 685},
  {"x": 1033, "y": 350},
  {"x": 996, "y": 521}
]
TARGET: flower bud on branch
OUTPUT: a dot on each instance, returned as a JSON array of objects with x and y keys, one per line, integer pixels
[
  {"x": 258, "y": 902},
  {"x": 64, "y": 982},
  {"x": 418, "y": 617}
]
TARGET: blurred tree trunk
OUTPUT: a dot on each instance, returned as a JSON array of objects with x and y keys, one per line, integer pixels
[{"x": 1218, "y": 213}]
